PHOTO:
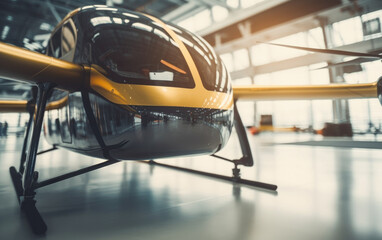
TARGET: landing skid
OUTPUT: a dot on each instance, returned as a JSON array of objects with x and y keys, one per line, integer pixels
[
  {"x": 234, "y": 179},
  {"x": 245, "y": 160}
]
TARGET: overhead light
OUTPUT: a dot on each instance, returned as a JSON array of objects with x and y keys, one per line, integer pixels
[
  {"x": 100, "y": 20},
  {"x": 130, "y": 15},
  {"x": 41, "y": 37},
  {"x": 117, "y": 20},
  {"x": 86, "y": 7},
  {"x": 106, "y": 9},
  {"x": 161, "y": 34},
  {"x": 95, "y": 36},
  {"x": 45, "y": 27},
  {"x": 142, "y": 26}
]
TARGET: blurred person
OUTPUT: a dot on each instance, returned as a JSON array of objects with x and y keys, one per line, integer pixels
[{"x": 5, "y": 129}]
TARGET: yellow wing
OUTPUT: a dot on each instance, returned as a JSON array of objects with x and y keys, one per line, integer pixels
[
  {"x": 22, "y": 65},
  {"x": 10, "y": 106},
  {"x": 7, "y": 106},
  {"x": 31, "y": 67},
  {"x": 306, "y": 92}
]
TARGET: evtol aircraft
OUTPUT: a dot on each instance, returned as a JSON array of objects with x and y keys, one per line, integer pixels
[{"x": 122, "y": 85}]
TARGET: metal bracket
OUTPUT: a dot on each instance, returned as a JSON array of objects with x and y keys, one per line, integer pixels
[
  {"x": 48, "y": 150},
  {"x": 246, "y": 159}
]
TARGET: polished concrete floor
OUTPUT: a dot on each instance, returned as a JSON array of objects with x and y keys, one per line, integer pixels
[{"x": 324, "y": 192}]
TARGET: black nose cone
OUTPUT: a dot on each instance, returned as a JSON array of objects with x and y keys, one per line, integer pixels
[{"x": 379, "y": 90}]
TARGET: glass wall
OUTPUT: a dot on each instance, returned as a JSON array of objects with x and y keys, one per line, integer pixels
[
  {"x": 364, "y": 114},
  {"x": 209, "y": 15}
]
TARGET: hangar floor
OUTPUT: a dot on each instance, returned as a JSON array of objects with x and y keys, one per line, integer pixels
[{"x": 325, "y": 192}]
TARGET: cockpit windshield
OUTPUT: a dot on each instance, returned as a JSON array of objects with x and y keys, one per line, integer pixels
[
  {"x": 132, "y": 48},
  {"x": 138, "y": 53}
]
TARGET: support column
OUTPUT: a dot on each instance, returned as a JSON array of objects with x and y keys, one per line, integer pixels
[
  {"x": 340, "y": 107},
  {"x": 252, "y": 82}
]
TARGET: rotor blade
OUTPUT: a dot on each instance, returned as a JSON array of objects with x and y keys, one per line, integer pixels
[
  {"x": 328, "y": 51},
  {"x": 356, "y": 61},
  {"x": 31, "y": 67},
  {"x": 306, "y": 92}
]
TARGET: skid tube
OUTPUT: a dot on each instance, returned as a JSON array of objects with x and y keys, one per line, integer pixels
[
  {"x": 233, "y": 179},
  {"x": 245, "y": 160}
]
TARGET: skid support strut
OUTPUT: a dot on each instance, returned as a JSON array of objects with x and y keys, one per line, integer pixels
[
  {"x": 246, "y": 159},
  {"x": 25, "y": 178}
]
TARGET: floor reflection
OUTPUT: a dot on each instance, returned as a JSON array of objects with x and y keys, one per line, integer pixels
[{"x": 324, "y": 193}]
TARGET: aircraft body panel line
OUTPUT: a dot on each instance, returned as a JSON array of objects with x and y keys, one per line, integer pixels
[{"x": 260, "y": 185}]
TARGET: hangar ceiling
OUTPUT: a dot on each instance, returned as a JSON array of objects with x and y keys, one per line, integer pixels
[{"x": 28, "y": 23}]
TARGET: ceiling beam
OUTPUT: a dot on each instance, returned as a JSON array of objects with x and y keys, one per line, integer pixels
[
  {"x": 239, "y": 15},
  {"x": 183, "y": 12},
  {"x": 263, "y": 16},
  {"x": 212, "y": 3},
  {"x": 294, "y": 26}
]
